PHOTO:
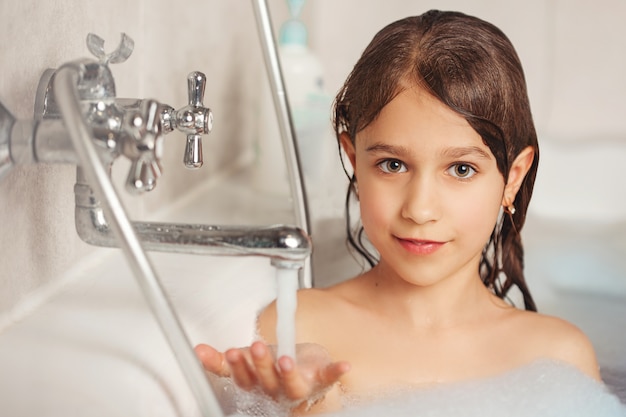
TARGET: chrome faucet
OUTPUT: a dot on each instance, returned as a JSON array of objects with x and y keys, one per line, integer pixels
[
  {"x": 130, "y": 127},
  {"x": 79, "y": 120},
  {"x": 134, "y": 128}
]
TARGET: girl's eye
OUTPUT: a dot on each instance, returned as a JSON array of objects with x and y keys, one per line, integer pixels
[
  {"x": 392, "y": 166},
  {"x": 463, "y": 171}
]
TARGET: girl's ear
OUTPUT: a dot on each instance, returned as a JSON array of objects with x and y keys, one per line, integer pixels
[
  {"x": 348, "y": 148},
  {"x": 517, "y": 173}
]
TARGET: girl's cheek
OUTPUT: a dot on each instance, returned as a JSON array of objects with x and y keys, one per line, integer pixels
[
  {"x": 480, "y": 214},
  {"x": 377, "y": 206}
]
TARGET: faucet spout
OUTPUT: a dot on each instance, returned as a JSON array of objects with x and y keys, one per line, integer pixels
[{"x": 280, "y": 243}]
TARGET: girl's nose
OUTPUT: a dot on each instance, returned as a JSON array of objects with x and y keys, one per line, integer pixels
[{"x": 421, "y": 201}]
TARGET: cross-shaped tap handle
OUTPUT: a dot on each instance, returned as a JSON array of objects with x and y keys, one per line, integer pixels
[
  {"x": 195, "y": 120},
  {"x": 143, "y": 145}
]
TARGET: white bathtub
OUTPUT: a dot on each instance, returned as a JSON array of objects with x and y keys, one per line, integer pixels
[{"x": 94, "y": 348}]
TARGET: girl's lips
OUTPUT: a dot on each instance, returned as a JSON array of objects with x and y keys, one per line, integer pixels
[{"x": 420, "y": 247}]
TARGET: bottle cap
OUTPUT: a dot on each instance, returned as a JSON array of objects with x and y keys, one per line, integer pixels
[
  {"x": 293, "y": 32},
  {"x": 295, "y": 7}
]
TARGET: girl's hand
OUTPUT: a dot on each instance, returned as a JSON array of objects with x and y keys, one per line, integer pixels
[{"x": 306, "y": 380}]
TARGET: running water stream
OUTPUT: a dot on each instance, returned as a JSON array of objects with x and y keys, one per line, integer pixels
[{"x": 286, "y": 303}]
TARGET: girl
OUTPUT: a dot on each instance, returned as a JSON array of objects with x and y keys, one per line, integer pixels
[{"x": 436, "y": 124}]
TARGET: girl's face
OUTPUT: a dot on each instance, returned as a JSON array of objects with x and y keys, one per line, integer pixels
[{"x": 429, "y": 189}]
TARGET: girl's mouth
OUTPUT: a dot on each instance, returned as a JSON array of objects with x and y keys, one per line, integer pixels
[{"x": 420, "y": 247}]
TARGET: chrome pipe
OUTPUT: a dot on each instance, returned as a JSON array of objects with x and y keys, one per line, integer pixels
[
  {"x": 6, "y": 126},
  {"x": 66, "y": 93},
  {"x": 41, "y": 141},
  {"x": 285, "y": 124}
]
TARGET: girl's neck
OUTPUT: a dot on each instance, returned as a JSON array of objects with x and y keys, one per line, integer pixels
[{"x": 452, "y": 301}]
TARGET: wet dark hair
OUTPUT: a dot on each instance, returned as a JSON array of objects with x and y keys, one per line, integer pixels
[{"x": 471, "y": 67}]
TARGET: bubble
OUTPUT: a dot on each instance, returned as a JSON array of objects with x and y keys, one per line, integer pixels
[{"x": 543, "y": 388}]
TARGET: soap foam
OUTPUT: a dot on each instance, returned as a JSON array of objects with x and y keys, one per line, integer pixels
[
  {"x": 544, "y": 388},
  {"x": 251, "y": 403}
]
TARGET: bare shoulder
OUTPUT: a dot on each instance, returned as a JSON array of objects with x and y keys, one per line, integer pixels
[
  {"x": 315, "y": 306},
  {"x": 558, "y": 339}
]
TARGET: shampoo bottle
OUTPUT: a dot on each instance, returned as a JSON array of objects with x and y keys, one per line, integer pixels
[{"x": 310, "y": 109}]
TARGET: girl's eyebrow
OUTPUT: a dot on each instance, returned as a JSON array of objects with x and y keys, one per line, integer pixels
[
  {"x": 460, "y": 152},
  {"x": 386, "y": 148}
]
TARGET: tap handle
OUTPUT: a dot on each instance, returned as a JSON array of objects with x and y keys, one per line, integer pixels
[
  {"x": 143, "y": 175},
  {"x": 194, "y": 119},
  {"x": 143, "y": 146},
  {"x": 193, "y": 152},
  {"x": 95, "y": 44},
  {"x": 196, "y": 81}
]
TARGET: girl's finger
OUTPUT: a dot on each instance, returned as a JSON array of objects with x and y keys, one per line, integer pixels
[
  {"x": 331, "y": 373},
  {"x": 240, "y": 369},
  {"x": 212, "y": 360},
  {"x": 295, "y": 387},
  {"x": 265, "y": 370}
]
